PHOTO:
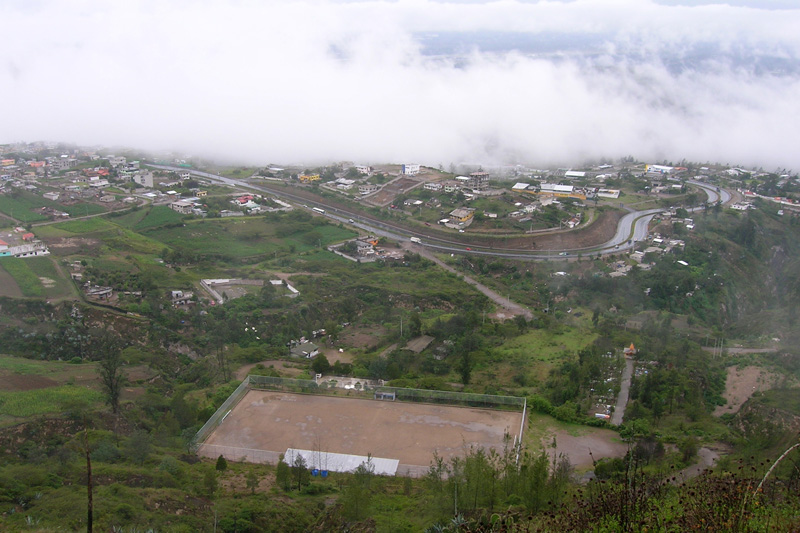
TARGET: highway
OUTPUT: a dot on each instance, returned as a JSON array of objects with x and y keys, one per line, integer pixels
[{"x": 632, "y": 228}]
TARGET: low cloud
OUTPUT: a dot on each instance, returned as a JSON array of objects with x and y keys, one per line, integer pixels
[{"x": 320, "y": 81}]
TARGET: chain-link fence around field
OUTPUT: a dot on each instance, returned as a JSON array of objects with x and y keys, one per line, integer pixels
[
  {"x": 237, "y": 454},
  {"x": 402, "y": 394},
  {"x": 491, "y": 401},
  {"x": 226, "y": 407},
  {"x": 307, "y": 386}
]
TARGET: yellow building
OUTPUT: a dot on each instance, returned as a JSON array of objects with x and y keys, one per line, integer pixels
[
  {"x": 306, "y": 178},
  {"x": 462, "y": 214}
]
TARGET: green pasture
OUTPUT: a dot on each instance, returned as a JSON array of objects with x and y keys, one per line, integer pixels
[
  {"x": 540, "y": 350},
  {"x": 21, "y": 207},
  {"x": 87, "y": 225},
  {"x": 251, "y": 237},
  {"x": 21, "y": 404},
  {"x": 60, "y": 371},
  {"x": 131, "y": 217},
  {"x": 25, "y": 278},
  {"x": 82, "y": 209},
  {"x": 44, "y": 267},
  {"x": 159, "y": 215}
]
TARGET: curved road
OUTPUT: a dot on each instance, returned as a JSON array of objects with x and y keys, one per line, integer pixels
[{"x": 631, "y": 228}]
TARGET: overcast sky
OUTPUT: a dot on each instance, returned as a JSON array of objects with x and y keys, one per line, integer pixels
[{"x": 408, "y": 81}]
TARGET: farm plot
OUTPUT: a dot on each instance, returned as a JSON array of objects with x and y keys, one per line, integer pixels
[
  {"x": 23, "y": 276},
  {"x": 272, "y": 422}
]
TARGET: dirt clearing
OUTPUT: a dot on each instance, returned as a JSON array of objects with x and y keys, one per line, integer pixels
[
  {"x": 409, "y": 432},
  {"x": 583, "y": 448},
  {"x": 284, "y": 368},
  {"x": 30, "y": 382},
  {"x": 741, "y": 383}
]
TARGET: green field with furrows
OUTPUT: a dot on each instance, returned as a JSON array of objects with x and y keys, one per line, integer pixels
[
  {"x": 26, "y": 279},
  {"x": 159, "y": 215}
]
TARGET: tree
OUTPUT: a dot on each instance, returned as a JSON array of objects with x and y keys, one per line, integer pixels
[
  {"x": 251, "y": 481},
  {"x": 222, "y": 464},
  {"x": 282, "y": 474},
  {"x": 210, "y": 482},
  {"x": 138, "y": 447},
  {"x": 415, "y": 324},
  {"x": 320, "y": 365},
  {"x": 111, "y": 377},
  {"x": 300, "y": 474},
  {"x": 357, "y": 495},
  {"x": 188, "y": 438},
  {"x": 465, "y": 367}
]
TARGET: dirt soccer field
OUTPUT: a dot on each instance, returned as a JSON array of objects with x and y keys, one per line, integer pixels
[{"x": 409, "y": 432}]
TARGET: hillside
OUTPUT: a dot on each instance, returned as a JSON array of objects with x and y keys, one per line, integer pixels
[{"x": 129, "y": 379}]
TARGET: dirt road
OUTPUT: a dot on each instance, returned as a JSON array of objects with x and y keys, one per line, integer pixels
[
  {"x": 624, "y": 390},
  {"x": 511, "y": 308},
  {"x": 706, "y": 458}
]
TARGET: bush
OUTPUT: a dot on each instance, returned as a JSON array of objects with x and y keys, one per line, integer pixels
[
  {"x": 170, "y": 465},
  {"x": 106, "y": 452}
]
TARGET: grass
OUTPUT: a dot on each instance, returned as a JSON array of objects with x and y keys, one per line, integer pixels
[
  {"x": 539, "y": 350},
  {"x": 22, "y": 404},
  {"x": 60, "y": 371},
  {"x": 159, "y": 215},
  {"x": 44, "y": 267},
  {"x": 87, "y": 225},
  {"x": 20, "y": 207},
  {"x": 27, "y": 281},
  {"x": 8, "y": 287},
  {"x": 130, "y": 218},
  {"x": 786, "y": 399},
  {"x": 251, "y": 237},
  {"x": 82, "y": 209}
]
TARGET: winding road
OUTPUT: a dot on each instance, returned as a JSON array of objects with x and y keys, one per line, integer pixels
[{"x": 631, "y": 228}]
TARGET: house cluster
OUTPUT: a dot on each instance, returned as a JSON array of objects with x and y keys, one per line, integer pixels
[
  {"x": 658, "y": 244},
  {"x": 602, "y": 388},
  {"x": 98, "y": 292},
  {"x": 181, "y": 298},
  {"x": 557, "y": 190},
  {"x": 365, "y": 248},
  {"x": 21, "y": 243},
  {"x": 475, "y": 183},
  {"x": 750, "y": 196}
]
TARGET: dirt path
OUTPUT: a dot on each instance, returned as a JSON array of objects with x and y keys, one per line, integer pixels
[
  {"x": 624, "y": 390},
  {"x": 742, "y": 350},
  {"x": 706, "y": 458},
  {"x": 511, "y": 308},
  {"x": 385, "y": 353}
]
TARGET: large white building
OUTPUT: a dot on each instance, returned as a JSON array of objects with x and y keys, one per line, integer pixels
[
  {"x": 410, "y": 170},
  {"x": 143, "y": 178}
]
